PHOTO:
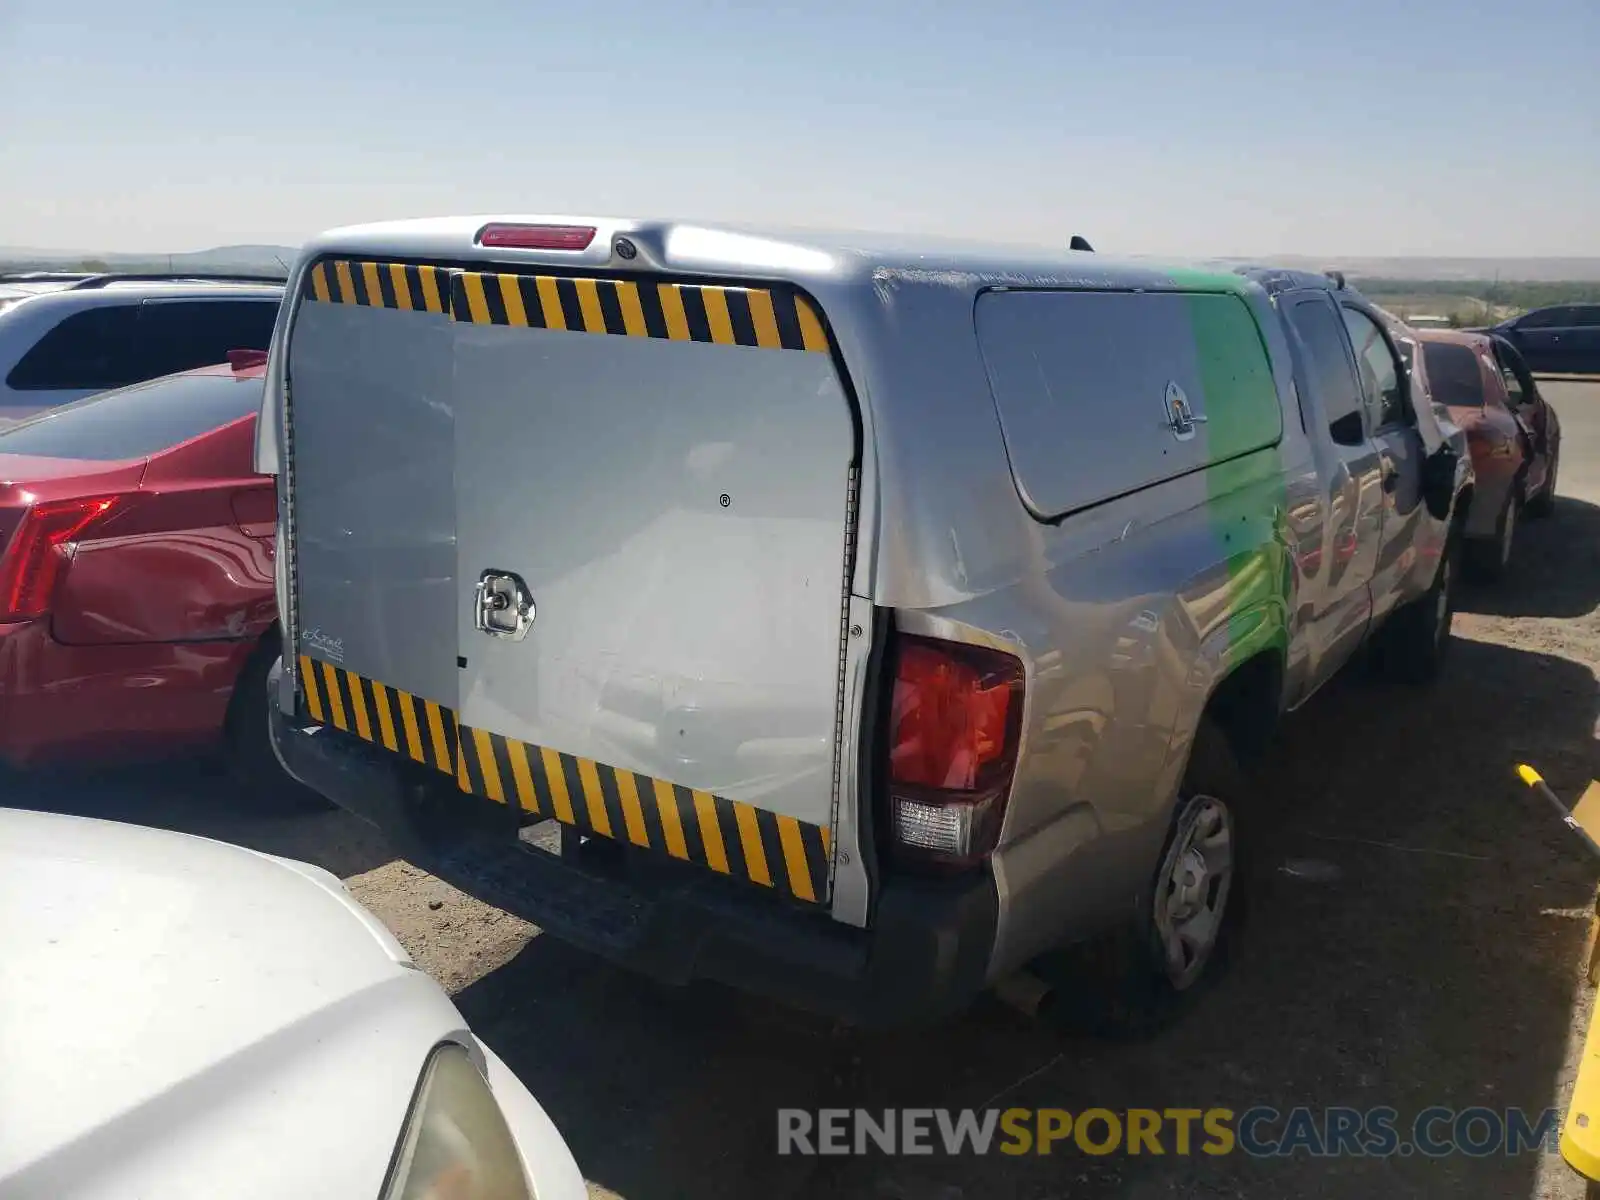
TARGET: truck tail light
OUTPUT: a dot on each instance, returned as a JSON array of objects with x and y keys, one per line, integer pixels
[
  {"x": 537, "y": 237},
  {"x": 954, "y": 726},
  {"x": 39, "y": 548}
]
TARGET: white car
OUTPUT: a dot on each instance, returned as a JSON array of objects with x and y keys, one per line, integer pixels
[{"x": 185, "y": 1018}]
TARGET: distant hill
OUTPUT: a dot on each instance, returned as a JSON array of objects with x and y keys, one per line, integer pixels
[{"x": 251, "y": 260}]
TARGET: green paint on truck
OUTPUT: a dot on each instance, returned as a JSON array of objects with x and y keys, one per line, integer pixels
[{"x": 1244, "y": 484}]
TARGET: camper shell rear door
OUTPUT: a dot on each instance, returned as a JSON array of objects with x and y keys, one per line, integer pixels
[{"x": 600, "y": 524}]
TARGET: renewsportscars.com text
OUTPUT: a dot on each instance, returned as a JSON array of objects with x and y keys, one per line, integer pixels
[{"x": 1261, "y": 1131}]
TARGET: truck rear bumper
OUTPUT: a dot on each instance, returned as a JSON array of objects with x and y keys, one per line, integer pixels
[{"x": 925, "y": 957}]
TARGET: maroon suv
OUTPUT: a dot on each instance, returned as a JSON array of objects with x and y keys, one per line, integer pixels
[{"x": 1513, "y": 435}]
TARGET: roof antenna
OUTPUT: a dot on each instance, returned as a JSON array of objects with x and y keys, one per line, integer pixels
[
  {"x": 1337, "y": 277},
  {"x": 1079, "y": 242}
]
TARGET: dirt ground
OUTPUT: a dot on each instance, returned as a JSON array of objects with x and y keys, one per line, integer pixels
[{"x": 1429, "y": 955}]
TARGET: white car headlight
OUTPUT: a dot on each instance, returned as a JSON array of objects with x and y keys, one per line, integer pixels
[{"x": 457, "y": 1145}]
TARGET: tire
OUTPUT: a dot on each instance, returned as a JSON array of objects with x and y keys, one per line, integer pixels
[
  {"x": 1544, "y": 503},
  {"x": 247, "y": 744},
  {"x": 1411, "y": 646},
  {"x": 1489, "y": 559},
  {"x": 1141, "y": 978}
]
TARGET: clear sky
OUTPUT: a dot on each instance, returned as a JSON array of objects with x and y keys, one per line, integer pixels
[{"x": 1161, "y": 126}]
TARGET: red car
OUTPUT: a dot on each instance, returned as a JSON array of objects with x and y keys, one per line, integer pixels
[
  {"x": 1513, "y": 435},
  {"x": 137, "y": 615}
]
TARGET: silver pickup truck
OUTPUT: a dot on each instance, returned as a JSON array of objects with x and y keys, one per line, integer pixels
[{"x": 845, "y": 621}]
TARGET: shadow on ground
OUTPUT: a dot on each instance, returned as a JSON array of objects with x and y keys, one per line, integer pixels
[{"x": 1555, "y": 569}]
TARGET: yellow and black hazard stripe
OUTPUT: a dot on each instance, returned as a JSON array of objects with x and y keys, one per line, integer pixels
[
  {"x": 386, "y": 716},
  {"x": 729, "y": 837},
  {"x": 764, "y": 318},
  {"x": 680, "y": 312},
  {"x": 380, "y": 285}
]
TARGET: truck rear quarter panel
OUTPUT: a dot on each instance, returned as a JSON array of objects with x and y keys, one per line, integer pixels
[{"x": 1130, "y": 612}]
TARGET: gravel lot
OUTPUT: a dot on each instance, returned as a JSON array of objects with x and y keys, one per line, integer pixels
[{"x": 1441, "y": 964}]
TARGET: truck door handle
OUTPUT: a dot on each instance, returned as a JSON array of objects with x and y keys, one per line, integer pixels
[{"x": 502, "y": 606}]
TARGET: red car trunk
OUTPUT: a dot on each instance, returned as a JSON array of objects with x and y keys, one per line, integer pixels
[{"x": 135, "y": 568}]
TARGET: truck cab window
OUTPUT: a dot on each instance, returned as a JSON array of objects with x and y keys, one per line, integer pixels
[
  {"x": 1328, "y": 368},
  {"x": 1382, "y": 378}
]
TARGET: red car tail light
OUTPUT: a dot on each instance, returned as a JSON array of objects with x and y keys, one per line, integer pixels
[
  {"x": 31, "y": 565},
  {"x": 954, "y": 728}
]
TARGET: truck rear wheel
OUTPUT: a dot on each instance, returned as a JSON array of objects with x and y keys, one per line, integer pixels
[{"x": 1141, "y": 978}]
